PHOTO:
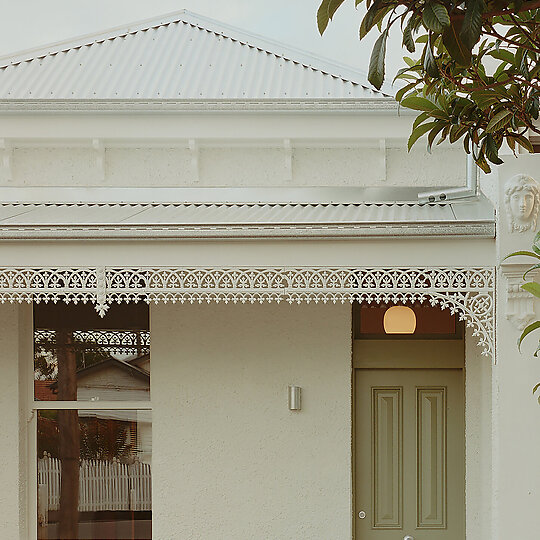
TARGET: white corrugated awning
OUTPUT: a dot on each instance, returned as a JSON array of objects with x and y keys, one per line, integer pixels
[{"x": 308, "y": 213}]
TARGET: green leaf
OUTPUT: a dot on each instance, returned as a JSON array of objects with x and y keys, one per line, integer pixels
[
  {"x": 522, "y": 141},
  {"x": 433, "y": 133},
  {"x": 374, "y": 15},
  {"x": 456, "y": 132},
  {"x": 455, "y": 45},
  {"x": 467, "y": 143},
  {"x": 326, "y": 11},
  {"x": 519, "y": 253},
  {"x": 417, "y": 103},
  {"x": 531, "y": 328},
  {"x": 408, "y": 39},
  {"x": 501, "y": 119},
  {"x": 531, "y": 269},
  {"x": 429, "y": 61},
  {"x": 472, "y": 22},
  {"x": 322, "y": 16},
  {"x": 418, "y": 132},
  {"x": 491, "y": 150},
  {"x": 533, "y": 107},
  {"x": 419, "y": 119},
  {"x": 435, "y": 17},
  {"x": 377, "y": 60},
  {"x": 402, "y": 91},
  {"x": 484, "y": 98},
  {"x": 333, "y": 6},
  {"x": 532, "y": 287},
  {"x": 502, "y": 54},
  {"x": 482, "y": 163}
]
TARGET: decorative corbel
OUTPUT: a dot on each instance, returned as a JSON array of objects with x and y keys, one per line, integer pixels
[
  {"x": 382, "y": 150},
  {"x": 519, "y": 303},
  {"x": 287, "y": 147},
  {"x": 99, "y": 151},
  {"x": 6, "y": 151},
  {"x": 194, "y": 152}
]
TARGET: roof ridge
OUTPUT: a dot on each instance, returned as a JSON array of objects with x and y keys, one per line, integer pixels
[
  {"x": 90, "y": 38},
  {"x": 259, "y": 42}
]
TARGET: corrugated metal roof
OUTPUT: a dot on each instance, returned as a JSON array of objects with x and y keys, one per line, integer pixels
[
  {"x": 180, "y": 56},
  {"x": 197, "y": 220}
]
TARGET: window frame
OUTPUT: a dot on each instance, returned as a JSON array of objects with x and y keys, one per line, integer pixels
[{"x": 36, "y": 406}]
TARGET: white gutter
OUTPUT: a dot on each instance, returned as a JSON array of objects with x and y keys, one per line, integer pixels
[{"x": 470, "y": 190}]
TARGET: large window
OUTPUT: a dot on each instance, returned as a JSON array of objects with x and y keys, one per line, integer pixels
[{"x": 94, "y": 425}]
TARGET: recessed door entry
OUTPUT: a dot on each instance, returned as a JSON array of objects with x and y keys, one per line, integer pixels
[{"x": 409, "y": 443}]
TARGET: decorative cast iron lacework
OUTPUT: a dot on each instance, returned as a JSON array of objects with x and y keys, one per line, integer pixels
[
  {"x": 113, "y": 341},
  {"x": 469, "y": 292}
]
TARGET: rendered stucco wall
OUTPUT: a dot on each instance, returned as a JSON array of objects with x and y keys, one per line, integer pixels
[
  {"x": 13, "y": 479},
  {"x": 516, "y": 411},
  {"x": 230, "y": 460},
  {"x": 517, "y": 464},
  {"x": 478, "y": 443},
  {"x": 247, "y": 166}
]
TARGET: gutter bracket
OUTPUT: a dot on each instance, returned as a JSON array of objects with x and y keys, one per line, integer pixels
[
  {"x": 6, "y": 151},
  {"x": 99, "y": 151},
  {"x": 288, "y": 160},
  {"x": 194, "y": 152}
]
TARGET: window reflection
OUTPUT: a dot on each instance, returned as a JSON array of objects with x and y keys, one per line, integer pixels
[
  {"x": 81, "y": 356},
  {"x": 94, "y": 475}
]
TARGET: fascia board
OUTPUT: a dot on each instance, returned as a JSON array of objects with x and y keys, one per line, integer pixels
[{"x": 72, "y": 125}]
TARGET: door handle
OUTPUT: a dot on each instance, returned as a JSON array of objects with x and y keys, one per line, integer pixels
[{"x": 408, "y": 537}]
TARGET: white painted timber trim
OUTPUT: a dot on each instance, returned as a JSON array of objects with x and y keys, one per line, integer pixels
[
  {"x": 249, "y": 231},
  {"x": 468, "y": 292}
]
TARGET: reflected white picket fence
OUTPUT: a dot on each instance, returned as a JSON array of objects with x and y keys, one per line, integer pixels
[{"x": 103, "y": 485}]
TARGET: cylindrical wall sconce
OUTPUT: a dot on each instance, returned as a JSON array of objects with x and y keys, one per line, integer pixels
[{"x": 295, "y": 398}]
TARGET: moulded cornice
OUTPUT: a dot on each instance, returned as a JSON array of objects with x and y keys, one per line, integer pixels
[
  {"x": 244, "y": 232},
  {"x": 364, "y": 105},
  {"x": 519, "y": 303}
]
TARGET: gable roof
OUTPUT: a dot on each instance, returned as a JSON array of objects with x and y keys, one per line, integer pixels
[
  {"x": 180, "y": 56},
  {"x": 115, "y": 362}
]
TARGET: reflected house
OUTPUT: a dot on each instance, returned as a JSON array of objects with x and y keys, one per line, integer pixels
[
  {"x": 113, "y": 379},
  {"x": 109, "y": 379}
]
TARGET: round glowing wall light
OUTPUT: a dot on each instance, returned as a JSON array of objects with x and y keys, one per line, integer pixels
[{"x": 399, "y": 320}]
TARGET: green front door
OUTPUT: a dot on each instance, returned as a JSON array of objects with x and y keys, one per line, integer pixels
[{"x": 409, "y": 452}]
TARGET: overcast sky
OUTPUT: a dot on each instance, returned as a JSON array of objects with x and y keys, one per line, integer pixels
[{"x": 29, "y": 23}]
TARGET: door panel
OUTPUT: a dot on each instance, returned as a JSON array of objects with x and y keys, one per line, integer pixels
[
  {"x": 431, "y": 457},
  {"x": 387, "y": 447},
  {"x": 410, "y": 454}
]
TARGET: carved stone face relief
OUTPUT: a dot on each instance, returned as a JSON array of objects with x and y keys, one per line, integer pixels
[{"x": 522, "y": 200}]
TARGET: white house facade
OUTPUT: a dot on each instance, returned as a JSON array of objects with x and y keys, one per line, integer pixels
[{"x": 246, "y": 215}]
